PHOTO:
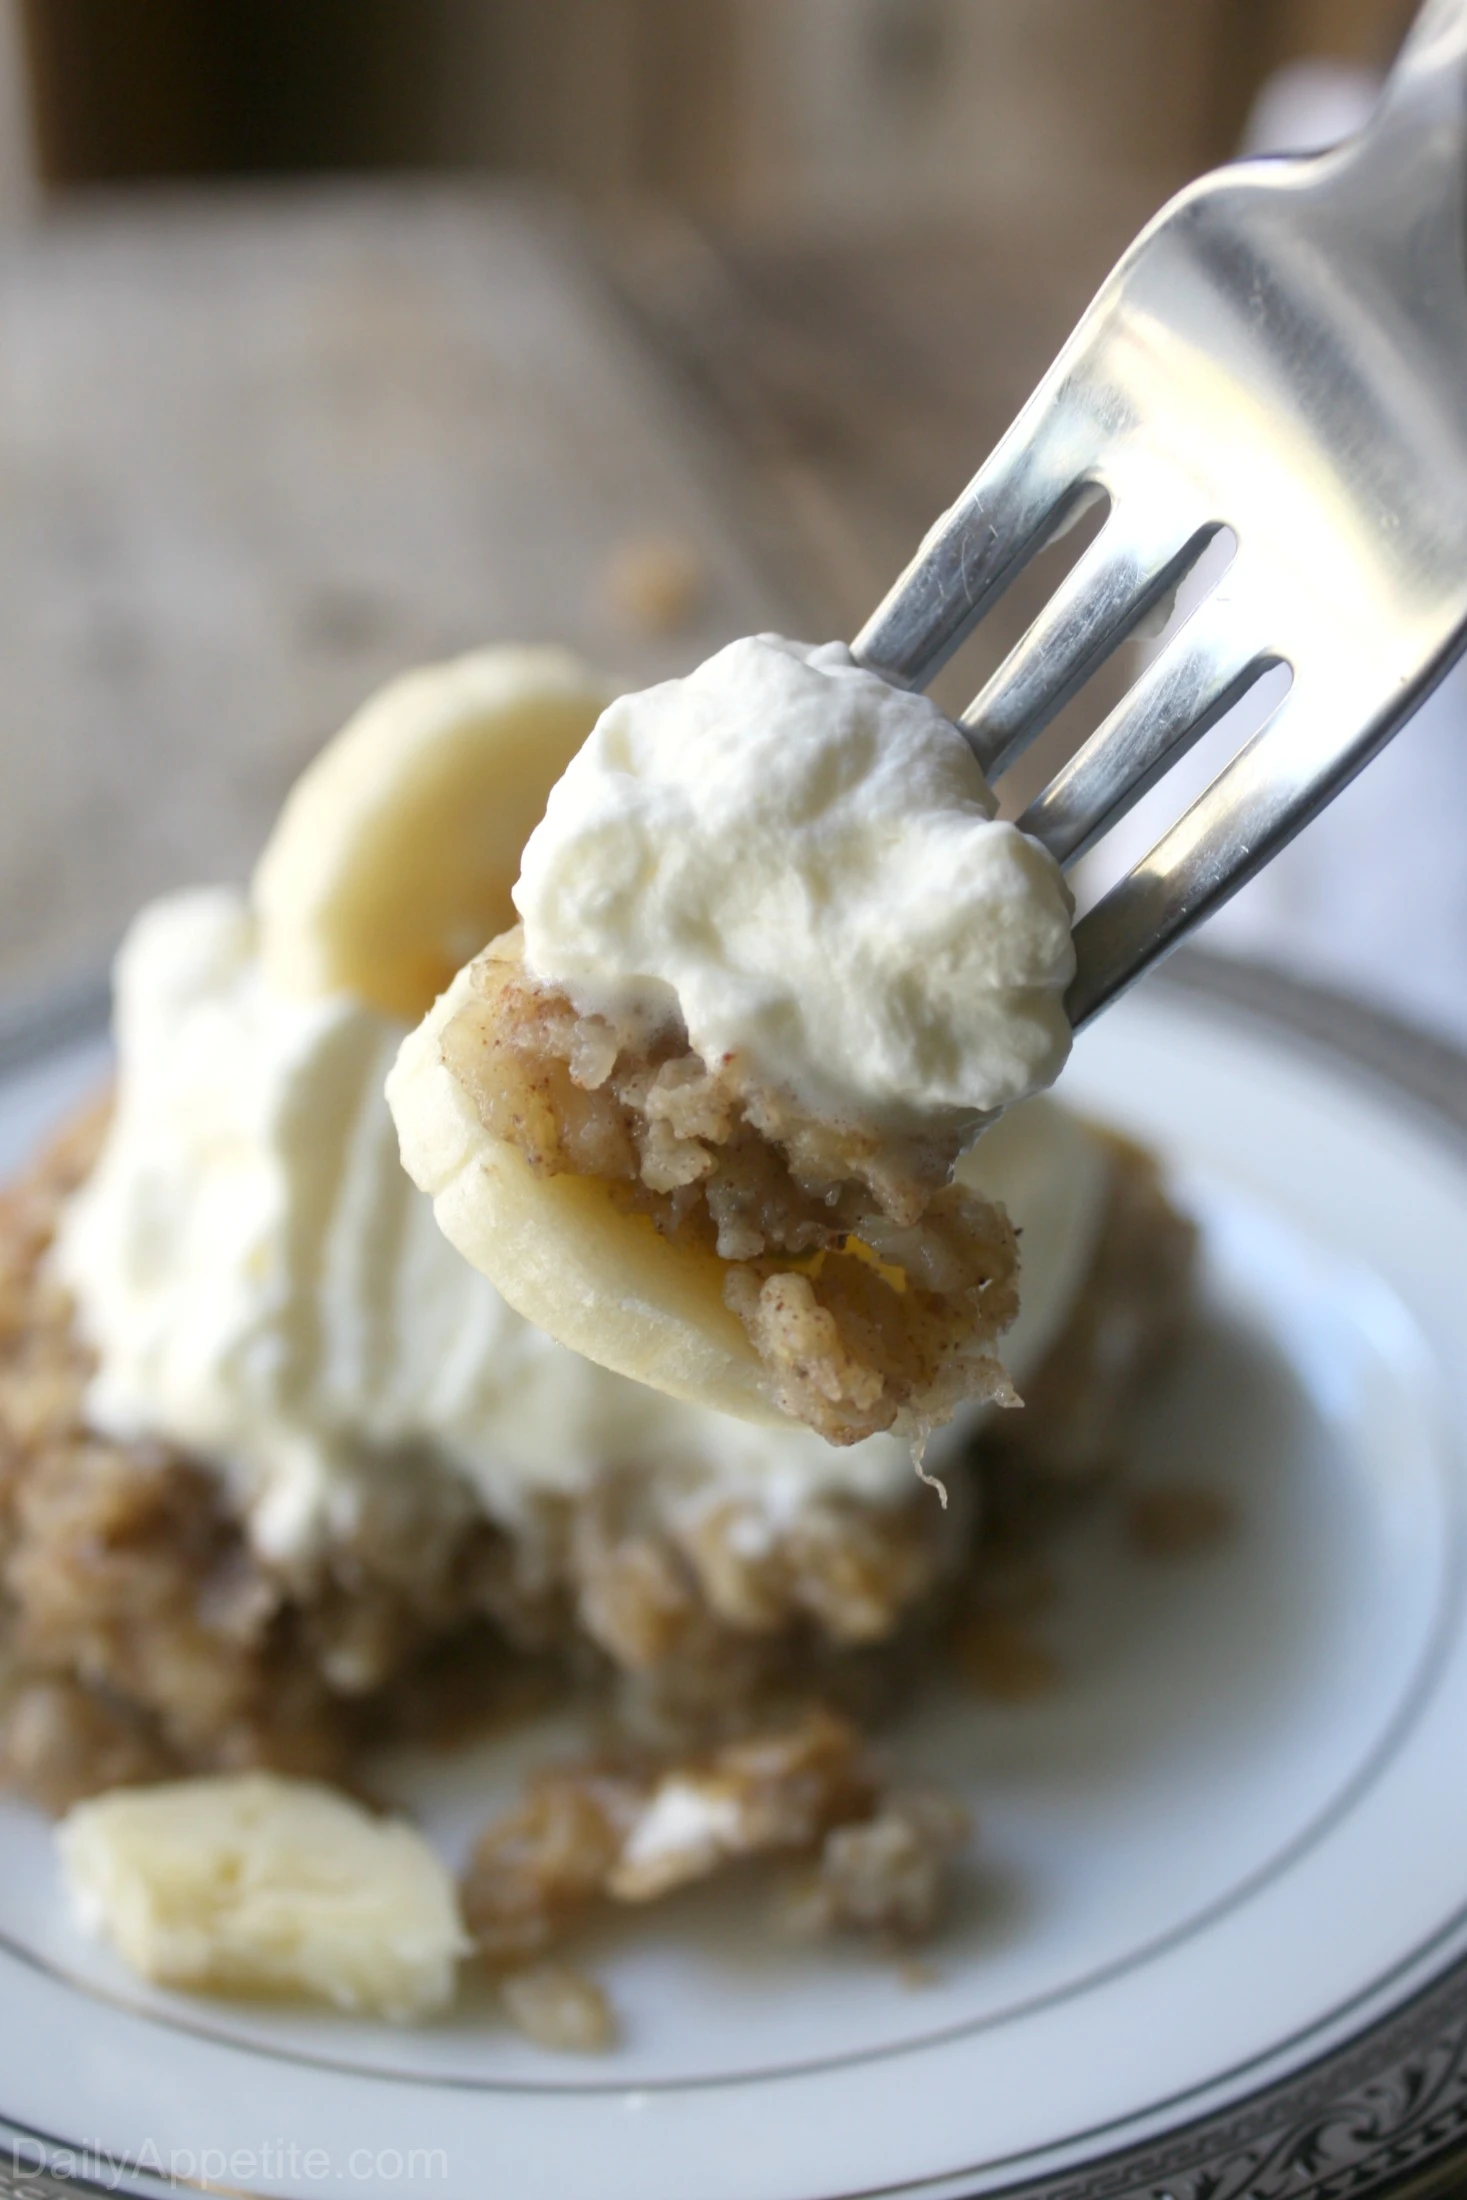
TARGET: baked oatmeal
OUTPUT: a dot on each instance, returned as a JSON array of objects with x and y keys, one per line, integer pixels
[
  {"x": 284, "y": 1480},
  {"x": 146, "y": 1634}
]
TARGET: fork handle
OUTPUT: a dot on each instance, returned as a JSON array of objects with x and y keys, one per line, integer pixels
[
  {"x": 1432, "y": 59},
  {"x": 1437, "y": 37},
  {"x": 1427, "y": 86}
]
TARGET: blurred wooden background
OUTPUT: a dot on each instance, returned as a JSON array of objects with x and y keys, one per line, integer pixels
[
  {"x": 798, "y": 264},
  {"x": 728, "y": 107}
]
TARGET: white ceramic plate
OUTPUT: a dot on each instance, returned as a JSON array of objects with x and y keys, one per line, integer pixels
[{"x": 1214, "y": 1936}]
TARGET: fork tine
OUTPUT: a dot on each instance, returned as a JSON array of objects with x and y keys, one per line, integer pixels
[
  {"x": 1123, "y": 575},
  {"x": 1280, "y": 779},
  {"x": 1185, "y": 689},
  {"x": 1024, "y": 494}
]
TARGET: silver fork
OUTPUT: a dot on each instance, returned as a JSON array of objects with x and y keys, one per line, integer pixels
[{"x": 1282, "y": 353}]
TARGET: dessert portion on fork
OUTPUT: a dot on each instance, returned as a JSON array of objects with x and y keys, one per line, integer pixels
[{"x": 699, "y": 1114}]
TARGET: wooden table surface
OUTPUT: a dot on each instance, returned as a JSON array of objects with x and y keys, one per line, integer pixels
[{"x": 257, "y": 452}]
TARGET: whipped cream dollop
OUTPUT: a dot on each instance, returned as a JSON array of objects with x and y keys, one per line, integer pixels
[
  {"x": 804, "y": 861},
  {"x": 264, "y": 1286}
]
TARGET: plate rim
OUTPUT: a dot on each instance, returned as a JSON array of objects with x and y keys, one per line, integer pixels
[{"x": 1384, "y": 2112}]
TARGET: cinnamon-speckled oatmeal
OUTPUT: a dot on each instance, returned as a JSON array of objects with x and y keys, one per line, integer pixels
[
  {"x": 872, "y": 1288},
  {"x": 623, "y": 1832},
  {"x": 142, "y": 1634}
]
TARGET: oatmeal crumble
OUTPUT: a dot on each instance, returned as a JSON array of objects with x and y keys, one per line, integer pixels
[
  {"x": 538, "y": 1866},
  {"x": 888, "y": 1874},
  {"x": 633, "y": 1832},
  {"x": 142, "y": 1636},
  {"x": 872, "y": 1288},
  {"x": 596, "y": 1832},
  {"x": 758, "y": 1795}
]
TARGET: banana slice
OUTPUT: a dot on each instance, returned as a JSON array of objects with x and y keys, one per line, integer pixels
[
  {"x": 251, "y": 1884},
  {"x": 394, "y": 855},
  {"x": 562, "y": 1253}
]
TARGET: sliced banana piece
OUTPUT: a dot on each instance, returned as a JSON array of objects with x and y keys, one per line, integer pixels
[
  {"x": 562, "y": 1253},
  {"x": 396, "y": 850},
  {"x": 1050, "y": 1173},
  {"x": 254, "y": 1884}
]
